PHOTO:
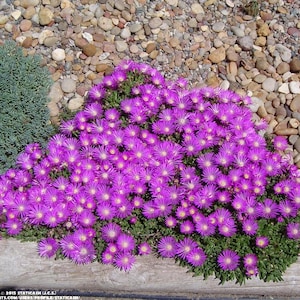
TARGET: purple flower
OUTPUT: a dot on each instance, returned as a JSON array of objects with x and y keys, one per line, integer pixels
[
  {"x": 144, "y": 249},
  {"x": 96, "y": 93},
  {"x": 262, "y": 241},
  {"x": 268, "y": 209},
  {"x": 250, "y": 260},
  {"x": 86, "y": 218},
  {"x": 167, "y": 246},
  {"x": 106, "y": 211},
  {"x": 83, "y": 253},
  {"x": 47, "y": 247},
  {"x": 227, "y": 228},
  {"x": 252, "y": 271},
  {"x": 36, "y": 213},
  {"x": 293, "y": 231},
  {"x": 228, "y": 260},
  {"x": 185, "y": 247},
  {"x": 196, "y": 257},
  {"x": 170, "y": 222},
  {"x": 187, "y": 227},
  {"x": 204, "y": 227},
  {"x": 13, "y": 226},
  {"x": 287, "y": 209},
  {"x": 83, "y": 235},
  {"x": 124, "y": 261},
  {"x": 107, "y": 257},
  {"x": 250, "y": 226},
  {"x": 110, "y": 232},
  {"x": 125, "y": 242},
  {"x": 280, "y": 143}
]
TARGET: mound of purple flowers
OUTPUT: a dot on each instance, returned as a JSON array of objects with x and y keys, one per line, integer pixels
[{"x": 190, "y": 164}]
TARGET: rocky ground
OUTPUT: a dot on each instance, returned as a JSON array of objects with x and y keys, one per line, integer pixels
[{"x": 251, "y": 47}]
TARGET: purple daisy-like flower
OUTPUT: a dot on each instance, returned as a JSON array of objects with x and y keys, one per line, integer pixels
[
  {"x": 83, "y": 253},
  {"x": 227, "y": 228},
  {"x": 125, "y": 242},
  {"x": 51, "y": 218},
  {"x": 250, "y": 226},
  {"x": 228, "y": 260},
  {"x": 124, "y": 209},
  {"x": 13, "y": 226},
  {"x": 287, "y": 209},
  {"x": 107, "y": 257},
  {"x": 252, "y": 271},
  {"x": 262, "y": 241},
  {"x": 250, "y": 260},
  {"x": 293, "y": 231},
  {"x": 204, "y": 227},
  {"x": 144, "y": 249},
  {"x": 68, "y": 245},
  {"x": 280, "y": 143},
  {"x": 268, "y": 209},
  {"x": 170, "y": 222},
  {"x": 110, "y": 232},
  {"x": 124, "y": 261},
  {"x": 181, "y": 213},
  {"x": 96, "y": 93},
  {"x": 36, "y": 213},
  {"x": 83, "y": 235},
  {"x": 167, "y": 246},
  {"x": 47, "y": 247},
  {"x": 196, "y": 257},
  {"x": 106, "y": 211},
  {"x": 187, "y": 227},
  {"x": 185, "y": 247},
  {"x": 86, "y": 218}
]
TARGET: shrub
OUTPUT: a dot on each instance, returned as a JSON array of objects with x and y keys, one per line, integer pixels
[
  {"x": 24, "y": 116},
  {"x": 149, "y": 166}
]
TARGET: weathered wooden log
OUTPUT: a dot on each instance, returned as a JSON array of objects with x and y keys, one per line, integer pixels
[{"x": 21, "y": 267}]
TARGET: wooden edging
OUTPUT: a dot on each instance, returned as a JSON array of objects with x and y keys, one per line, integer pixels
[{"x": 22, "y": 268}]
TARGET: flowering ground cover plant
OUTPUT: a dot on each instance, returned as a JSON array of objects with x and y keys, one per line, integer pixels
[{"x": 149, "y": 166}]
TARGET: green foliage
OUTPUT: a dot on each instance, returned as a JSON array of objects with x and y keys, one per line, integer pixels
[{"x": 24, "y": 116}]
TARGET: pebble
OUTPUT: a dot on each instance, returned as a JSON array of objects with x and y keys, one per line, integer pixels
[
  {"x": 246, "y": 42},
  {"x": 284, "y": 88},
  {"x": 285, "y": 53},
  {"x": 218, "y": 26},
  {"x": 269, "y": 85},
  {"x": 295, "y": 65},
  {"x": 197, "y": 9},
  {"x": 295, "y": 87},
  {"x": 68, "y": 85},
  {"x": 217, "y": 55},
  {"x": 75, "y": 103},
  {"x": 45, "y": 16},
  {"x": 155, "y": 23},
  {"x": 105, "y": 23},
  {"x": 25, "y": 25},
  {"x": 58, "y": 54},
  {"x": 121, "y": 46},
  {"x": 28, "y": 3},
  {"x": 297, "y": 145},
  {"x": 89, "y": 50},
  {"x": 295, "y": 104},
  {"x": 56, "y": 93}
]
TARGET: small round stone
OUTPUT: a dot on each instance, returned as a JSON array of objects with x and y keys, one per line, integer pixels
[
  {"x": 58, "y": 54},
  {"x": 68, "y": 85},
  {"x": 75, "y": 103},
  {"x": 269, "y": 85}
]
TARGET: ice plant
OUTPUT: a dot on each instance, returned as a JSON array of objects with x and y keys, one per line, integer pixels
[{"x": 149, "y": 166}]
